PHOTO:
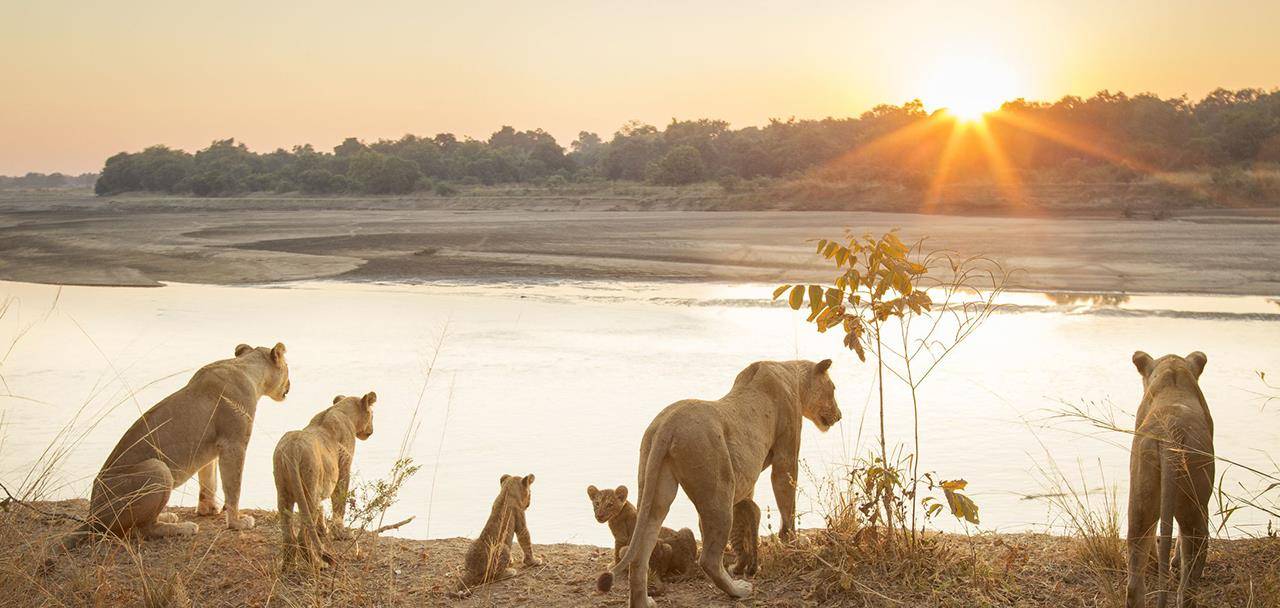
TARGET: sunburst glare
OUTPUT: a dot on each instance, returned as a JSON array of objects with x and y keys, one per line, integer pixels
[{"x": 968, "y": 86}]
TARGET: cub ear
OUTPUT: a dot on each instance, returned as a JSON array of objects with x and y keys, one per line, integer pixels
[
  {"x": 503, "y": 479},
  {"x": 277, "y": 353},
  {"x": 369, "y": 399},
  {"x": 528, "y": 480},
  {"x": 242, "y": 349},
  {"x": 338, "y": 398},
  {"x": 1143, "y": 362},
  {"x": 1197, "y": 360},
  {"x": 823, "y": 366},
  {"x": 621, "y": 492},
  {"x": 593, "y": 492}
]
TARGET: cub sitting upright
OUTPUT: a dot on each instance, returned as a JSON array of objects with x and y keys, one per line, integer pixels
[
  {"x": 675, "y": 553},
  {"x": 489, "y": 557},
  {"x": 315, "y": 463},
  {"x": 204, "y": 424}
]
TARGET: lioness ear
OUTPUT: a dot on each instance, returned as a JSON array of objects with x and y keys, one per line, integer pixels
[
  {"x": 338, "y": 398},
  {"x": 369, "y": 399},
  {"x": 593, "y": 492},
  {"x": 277, "y": 353},
  {"x": 503, "y": 479},
  {"x": 1197, "y": 361},
  {"x": 823, "y": 366},
  {"x": 242, "y": 349},
  {"x": 1143, "y": 362},
  {"x": 621, "y": 492},
  {"x": 528, "y": 480}
]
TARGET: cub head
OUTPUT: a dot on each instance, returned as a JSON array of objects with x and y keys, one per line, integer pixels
[
  {"x": 818, "y": 398},
  {"x": 1171, "y": 366},
  {"x": 360, "y": 411},
  {"x": 277, "y": 380},
  {"x": 607, "y": 503},
  {"x": 517, "y": 489}
]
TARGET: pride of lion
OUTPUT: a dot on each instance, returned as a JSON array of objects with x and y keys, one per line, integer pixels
[{"x": 714, "y": 450}]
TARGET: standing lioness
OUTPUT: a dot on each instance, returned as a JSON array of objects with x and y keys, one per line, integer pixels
[
  {"x": 716, "y": 450},
  {"x": 210, "y": 419},
  {"x": 1170, "y": 475},
  {"x": 313, "y": 464}
]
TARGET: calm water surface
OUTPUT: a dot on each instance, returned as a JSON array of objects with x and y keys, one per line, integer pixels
[{"x": 561, "y": 379}]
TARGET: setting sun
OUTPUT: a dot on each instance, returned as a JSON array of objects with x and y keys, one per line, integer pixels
[{"x": 969, "y": 87}]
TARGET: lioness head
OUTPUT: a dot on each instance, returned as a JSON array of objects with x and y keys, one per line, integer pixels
[
  {"x": 517, "y": 489},
  {"x": 607, "y": 503},
  {"x": 1172, "y": 366},
  {"x": 277, "y": 380},
  {"x": 819, "y": 397},
  {"x": 360, "y": 411}
]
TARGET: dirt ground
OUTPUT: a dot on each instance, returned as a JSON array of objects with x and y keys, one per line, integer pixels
[
  {"x": 76, "y": 238},
  {"x": 218, "y": 568}
]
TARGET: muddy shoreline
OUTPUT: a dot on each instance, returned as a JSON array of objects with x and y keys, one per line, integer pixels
[{"x": 144, "y": 241}]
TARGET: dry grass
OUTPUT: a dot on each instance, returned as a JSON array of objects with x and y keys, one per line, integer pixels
[{"x": 217, "y": 568}]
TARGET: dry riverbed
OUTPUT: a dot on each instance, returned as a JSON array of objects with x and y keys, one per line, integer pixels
[
  {"x": 72, "y": 238},
  {"x": 217, "y": 568}
]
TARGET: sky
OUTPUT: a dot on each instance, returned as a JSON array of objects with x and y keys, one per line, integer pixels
[{"x": 80, "y": 81}]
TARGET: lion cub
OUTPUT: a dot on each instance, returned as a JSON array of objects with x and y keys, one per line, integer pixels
[
  {"x": 313, "y": 464},
  {"x": 675, "y": 553},
  {"x": 489, "y": 557}
]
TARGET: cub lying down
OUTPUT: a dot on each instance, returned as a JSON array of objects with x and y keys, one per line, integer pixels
[
  {"x": 489, "y": 557},
  {"x": 675, "y": 552},
  {"x": 313, "y": 464}
]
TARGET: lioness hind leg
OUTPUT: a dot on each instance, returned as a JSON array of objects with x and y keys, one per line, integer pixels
[
  {"x": 288, "y": 542},
  {"x": 714, "y": 503},
  {"x": 1144, "y": 511},
  {"x": 131, "y": 499},
  {"x": 655, "y": 501},
  {"x": 746, "y": 536}
]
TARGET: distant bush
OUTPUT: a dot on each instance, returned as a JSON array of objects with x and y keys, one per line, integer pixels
[
  {"x": 444, "y": 189},
  {"x": 682, "y": 165}
]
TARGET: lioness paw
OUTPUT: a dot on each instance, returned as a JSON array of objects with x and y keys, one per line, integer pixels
[
  {"x": 533, "y": 561},
  {"x": 740, "y": 589},
  {"x": 167, "y": 518},
  {"x": 187, "y": 528},
  {"x": 206, "y": 508},
  {"x": 243, "y": 522}
]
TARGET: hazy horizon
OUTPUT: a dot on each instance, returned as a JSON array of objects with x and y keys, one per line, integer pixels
[{"x": 276, "y": 76}]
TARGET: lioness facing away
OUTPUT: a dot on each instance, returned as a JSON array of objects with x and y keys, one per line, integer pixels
[
  {"x": 675, "y": 553},
  {"x": 313, "y": 464},
  {"x": 489, "y": 556},
  {"x": 716, "y": 450},
  {"x": 1171, "y": 468},
  {"x": 204, "y": 423}
]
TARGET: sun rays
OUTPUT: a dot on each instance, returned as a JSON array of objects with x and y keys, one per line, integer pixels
[{"x": 976, "y": 141}]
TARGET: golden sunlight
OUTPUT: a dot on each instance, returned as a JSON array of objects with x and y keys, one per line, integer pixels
[{"x": 968, "y": 86}]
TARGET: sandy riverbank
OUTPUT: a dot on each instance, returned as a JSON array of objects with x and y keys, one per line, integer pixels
[
  {"x": 218, "y": 568},
  {"x": 142, "y": 241}
]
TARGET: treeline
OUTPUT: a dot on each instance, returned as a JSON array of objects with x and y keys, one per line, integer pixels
[
  {"x": 47, "y": 181},
  {"x": 1107, "y": 137}
]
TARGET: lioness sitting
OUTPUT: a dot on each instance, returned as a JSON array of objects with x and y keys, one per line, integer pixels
[
  {"x": 1171, "y": 468},
  {"x": 209, "y": 420},
  {"x": 675, "y": 552},
  {"x": 489, "y": 556},
  {"x": 716, "y": 450},
  {"x": 314, "y": 463}
]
